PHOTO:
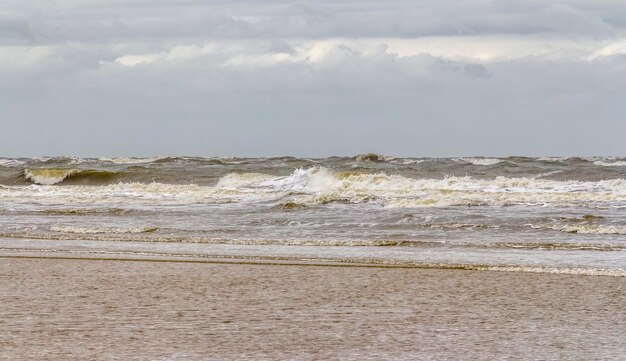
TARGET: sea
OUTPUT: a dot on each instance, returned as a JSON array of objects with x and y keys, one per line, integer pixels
[{"x": 514, "y": 214}]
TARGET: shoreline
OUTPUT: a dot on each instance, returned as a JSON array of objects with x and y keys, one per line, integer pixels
[{"x": 95, "y": 255}]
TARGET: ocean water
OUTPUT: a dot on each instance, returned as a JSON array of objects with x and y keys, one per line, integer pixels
[{"x": 557, "y": 215}]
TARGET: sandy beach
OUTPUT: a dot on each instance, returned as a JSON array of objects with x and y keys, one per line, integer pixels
[{"x": 138, "y": 310}]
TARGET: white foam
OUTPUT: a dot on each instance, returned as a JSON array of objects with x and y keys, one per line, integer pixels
[
  {"x": 553, "y": 159},
  {"x": 68, "y": 160},
  {"x": 619, "y": 163},
  {"x": 481, "y": 161},
  {"x": 129, "y": 160},
  {"x": 6, "y": 162},
  {"x": 242, "y": 180},
  {"x": 316, "y": 179},
  {"x": 591, "y": 229},
  {"x": 131, "y": 193},
  {"x": 555, "y": 270},
  {"x": 407, "y": 161}
]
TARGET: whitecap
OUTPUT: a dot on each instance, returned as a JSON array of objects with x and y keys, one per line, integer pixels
[
  {"x": 553, "y": 159},
  {"x": 481, "y": 161},
  {"x": 6, "y": 162},
  {"x": 130, "y": 160},
  {"x": 619, "y": 163}
]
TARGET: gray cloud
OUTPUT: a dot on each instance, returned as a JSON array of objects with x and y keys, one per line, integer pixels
[
  {"x": 312, "y": 78},
  {"x": 44, "y": 21}
]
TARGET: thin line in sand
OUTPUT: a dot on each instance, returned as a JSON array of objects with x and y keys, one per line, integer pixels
[{"x": 305, "y": 262}]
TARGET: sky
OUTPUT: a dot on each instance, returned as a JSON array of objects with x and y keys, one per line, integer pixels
[{"x": 312, "y": 78}]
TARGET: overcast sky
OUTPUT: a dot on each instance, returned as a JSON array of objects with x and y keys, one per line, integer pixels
[{"x": 312, "y": 78}]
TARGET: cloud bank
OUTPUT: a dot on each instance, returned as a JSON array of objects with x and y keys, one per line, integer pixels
[{"x": 224, "y": 78}]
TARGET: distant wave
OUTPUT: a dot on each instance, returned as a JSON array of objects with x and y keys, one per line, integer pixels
[
  {"x": 619, "y": 163},
  {"x": 59, "y": 160},
  {"x": 553, "y": 159},
  {"x": 130, "y": 160},
  {"x": 192, "y": 160},
  {"x": 372, "y": 157},
  {"x": 5, "y": 162},
  {"x": 482, "y": 161},
  {"x": 50, "y": 176},
  {"x": 207, "y": 171}
]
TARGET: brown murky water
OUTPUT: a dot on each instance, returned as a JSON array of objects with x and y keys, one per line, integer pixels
[{"x": 102, "y": 309}]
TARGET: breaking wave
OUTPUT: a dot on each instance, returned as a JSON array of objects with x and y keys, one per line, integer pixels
[
  {"x": 318, "y": 185},
  {"x": 239, "y": 180},
  {"x": 50, "y": 176}
]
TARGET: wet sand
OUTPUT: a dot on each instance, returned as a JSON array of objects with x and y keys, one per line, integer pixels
[{"x": 140, "y": 310}]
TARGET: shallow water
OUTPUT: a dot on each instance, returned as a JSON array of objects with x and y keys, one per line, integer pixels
[{"x": 543, "y": 213}]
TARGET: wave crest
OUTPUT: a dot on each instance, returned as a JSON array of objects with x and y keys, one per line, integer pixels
[
  {"x": 129, "y": 160},
  {"x": 372, "y": 157},
  {"x": 239, "y": 180},
  {"x": 50, "y": 176},
  {"x": 482, "y": 161}
]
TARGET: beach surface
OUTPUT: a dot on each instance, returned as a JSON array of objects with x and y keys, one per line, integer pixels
[{"x": 55, "y": 308}]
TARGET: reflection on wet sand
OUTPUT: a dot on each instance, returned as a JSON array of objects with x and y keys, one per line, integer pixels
[{"x": 105, "y": 309}]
